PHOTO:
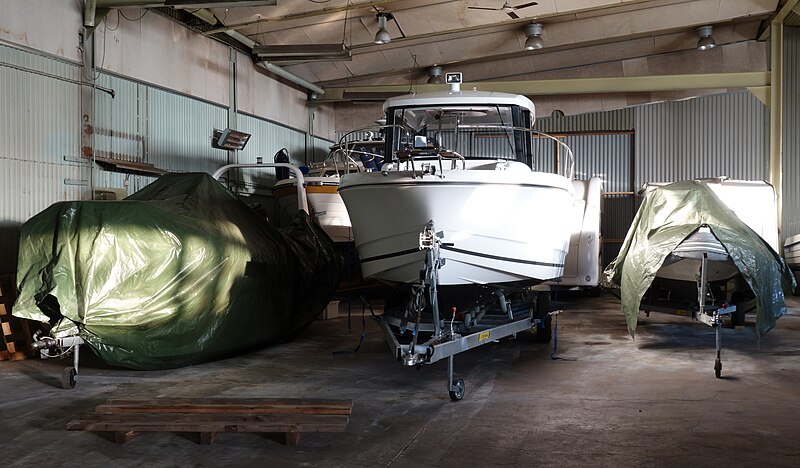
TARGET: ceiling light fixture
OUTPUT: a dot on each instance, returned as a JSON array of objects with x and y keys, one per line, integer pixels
[
  {"x": 706, "y": 40},
  {"x": 383, "y": 36},
  {"x": 435, "y": 75},
  {"x": 534, "y": 33}
]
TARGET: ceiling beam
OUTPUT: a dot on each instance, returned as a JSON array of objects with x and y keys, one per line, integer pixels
[
  {"x": 305, "y": 14},
  {"x": 627, "y": 84},
  {"x": 778, "y": 16},
  {"x": 182, "y": 3}
]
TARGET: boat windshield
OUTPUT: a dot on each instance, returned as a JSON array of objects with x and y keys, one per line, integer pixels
[{"x": 473, "y": 131}]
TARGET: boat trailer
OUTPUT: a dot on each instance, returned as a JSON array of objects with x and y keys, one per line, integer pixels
[
  {"x": 50, "y": 347},
  {"x": 710, "y": 312},
  {"x": 449, "y": 336}
]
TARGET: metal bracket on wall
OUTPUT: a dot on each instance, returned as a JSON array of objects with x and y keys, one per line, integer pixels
[
  {"x": 76, "y": 182},
  {"x": 77, "y": 160}
]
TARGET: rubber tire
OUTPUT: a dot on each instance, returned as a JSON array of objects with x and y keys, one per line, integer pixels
[
  {"x": 458, "y": 393},
  {"x": 718, "y": 368},
  {"x": 544, "y": 330},
  {"x": 69, "y": 378}
]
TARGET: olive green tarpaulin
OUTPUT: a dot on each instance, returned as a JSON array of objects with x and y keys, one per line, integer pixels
[
  {"x": 178, "y": 273},
  {"x": 667, "y": 216}
]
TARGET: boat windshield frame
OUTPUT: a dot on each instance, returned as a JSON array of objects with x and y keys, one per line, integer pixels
[{"x": 517, "y": 131}]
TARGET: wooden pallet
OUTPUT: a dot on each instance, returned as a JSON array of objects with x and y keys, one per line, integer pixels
[
  {"x": 16, "y": 343},
  {"x": 210, "y": 416}
]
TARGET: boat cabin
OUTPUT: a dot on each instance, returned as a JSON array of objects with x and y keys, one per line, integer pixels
[{"x": 471, "y": 124}]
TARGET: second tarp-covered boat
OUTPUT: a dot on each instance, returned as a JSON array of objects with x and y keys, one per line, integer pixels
[
  {"x": 178, "y": 273},
  {"x": 679, "y": 218}
]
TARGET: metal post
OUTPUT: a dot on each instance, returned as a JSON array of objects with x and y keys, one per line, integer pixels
[
  {"x": 433, "y": 276},
  {"x": 776, "y": 117},
  {"x": 232, "y": 105},
  {"x": 701, "y": 290},
  {"x": 450, "y": 373},
  {"x": 87, "y": 106},
  {"x": 76, "y": 357}
]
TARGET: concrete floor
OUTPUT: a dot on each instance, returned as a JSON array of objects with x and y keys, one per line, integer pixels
[{"x": 607, "y": 401}]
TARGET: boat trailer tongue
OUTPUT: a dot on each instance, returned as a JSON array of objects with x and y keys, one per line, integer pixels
[{"x": 446, "y": 336}]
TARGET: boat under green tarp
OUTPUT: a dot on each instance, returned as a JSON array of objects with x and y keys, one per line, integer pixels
[
  {"x": 180, "y": 272},
  {"x": 671, "y": 213}
]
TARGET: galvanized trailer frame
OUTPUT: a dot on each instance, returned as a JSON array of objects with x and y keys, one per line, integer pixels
[
  {"x": 445, "y": 340},
  {"x": 710, "y": 314}
]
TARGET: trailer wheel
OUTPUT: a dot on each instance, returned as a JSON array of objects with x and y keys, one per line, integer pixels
[
  {"x": 457, "y": 393},
  {"x": 69, "y": 377},
  {"x": 544, "y": 330},
  {"x": 718, "y": 368}
]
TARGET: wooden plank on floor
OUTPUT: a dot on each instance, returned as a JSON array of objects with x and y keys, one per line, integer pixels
[
  {"x": 209, "y": 423},
  {"x": 192, "y": 418},
  {"x": 228, "y": 406}
]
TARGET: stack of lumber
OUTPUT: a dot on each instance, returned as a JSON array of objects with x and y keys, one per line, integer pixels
[
  {"x": 16, "y": 343},
  {"x": 125, "y": 418}
]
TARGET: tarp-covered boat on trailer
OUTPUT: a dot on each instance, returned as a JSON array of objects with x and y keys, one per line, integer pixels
[
  {"x": 178, "y": 273},
  {"x": 672, "y": 213}
]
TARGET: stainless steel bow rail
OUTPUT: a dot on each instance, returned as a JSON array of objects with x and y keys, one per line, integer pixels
[{"x": 417, "y": 337}]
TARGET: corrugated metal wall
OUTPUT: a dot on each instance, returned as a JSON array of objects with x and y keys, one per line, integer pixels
[
  {"x": 719, "y": 135},
  {"x": 609, "y": 121},
  {"x": 40, "y": 122},
  {"x": 268, "y": 138},
  {"x": 41, "y": 125},
  {"x": 179, "y": 132},
  {"x": 791, "y": 133}
]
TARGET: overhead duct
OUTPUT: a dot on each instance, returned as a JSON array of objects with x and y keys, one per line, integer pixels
[
  {"x": 272, "y": 68},
  {"x": 291, "y": 77}
]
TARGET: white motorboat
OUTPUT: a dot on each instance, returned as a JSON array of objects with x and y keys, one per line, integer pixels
[
  {"x": 791, "y": 252},
  {"x": 322, "y": 182},
  {"x": 753, "y": 201},
  {"x": 463, "y": 160},
  {"x": 684, "y": 263},
  {"x": 583, "y": 264}
]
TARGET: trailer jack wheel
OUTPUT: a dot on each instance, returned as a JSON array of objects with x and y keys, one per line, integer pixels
[
  {"x": 69, "y": 377},
  {"x": 457, "y": 390}
]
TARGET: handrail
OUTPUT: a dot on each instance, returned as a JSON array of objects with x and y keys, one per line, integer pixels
[
  {"x": 566, "y": 146},
  {"x": 302, "y": 202},
  {"x": 570, "y": 154},
  {"x": 347, "y": 163}
]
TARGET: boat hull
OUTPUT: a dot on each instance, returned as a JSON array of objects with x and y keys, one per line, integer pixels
[
  {"x": 684, "y": 263},
  {"x": 498, "y": 227},
  {"x": 324, "y": 203}
]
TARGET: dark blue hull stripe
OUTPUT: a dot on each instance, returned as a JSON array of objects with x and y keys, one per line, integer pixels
[{"x": 467, "y": 252}]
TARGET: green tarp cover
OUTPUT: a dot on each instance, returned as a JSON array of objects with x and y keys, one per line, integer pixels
[
  {"x": 178, "y": 273},
  {"x": 666, "y": 217}
]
